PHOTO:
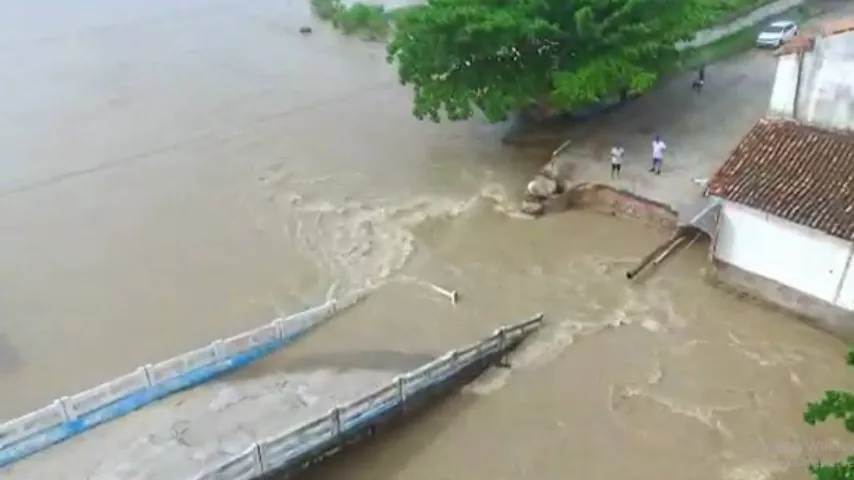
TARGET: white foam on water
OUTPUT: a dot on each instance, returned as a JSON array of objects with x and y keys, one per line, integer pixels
[
  {"x": 753, "y": 471},
  {"x": 703, "y": 414},
  {"x": 795, "y": 379},
  {"x": 765, "y": 354},
  {"x": 650, "y": 309},
  {"x": 491, "y": 381},
  {"x": 546, "y": 346},
  {"x": 502, "y": 201},
  {"x": 706, "y": 414},
  {"x": 651, "y": 325},
  {"x": 364, "y": 243}
]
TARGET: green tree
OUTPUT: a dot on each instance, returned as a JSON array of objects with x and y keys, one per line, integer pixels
[
  {"x": 839, "y": 405},
  {"x": 502, "y": 56}
]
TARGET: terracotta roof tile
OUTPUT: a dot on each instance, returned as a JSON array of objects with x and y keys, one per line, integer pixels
[
  {"x": 801, "y": 173},
  {"x": 805, "y": 40},
  {"x": 837, "y": 26},
  {"x": 798, "y": 44}
]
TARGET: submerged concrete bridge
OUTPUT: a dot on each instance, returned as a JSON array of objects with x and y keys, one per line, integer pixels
[{"x": 168, "y": 420}]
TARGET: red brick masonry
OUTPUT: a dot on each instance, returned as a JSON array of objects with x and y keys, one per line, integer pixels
[
  {"x": 623, "y": 203},
  {"x": 805, "y": 41}
]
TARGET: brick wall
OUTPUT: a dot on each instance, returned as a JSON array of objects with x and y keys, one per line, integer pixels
[{"x": 624, "y": 204}]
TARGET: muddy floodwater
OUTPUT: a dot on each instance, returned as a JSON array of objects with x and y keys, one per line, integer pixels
[{"x": 178, "y": 171}]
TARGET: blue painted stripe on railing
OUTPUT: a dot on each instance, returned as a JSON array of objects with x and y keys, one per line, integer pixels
[{"x": 52, "y": 435}]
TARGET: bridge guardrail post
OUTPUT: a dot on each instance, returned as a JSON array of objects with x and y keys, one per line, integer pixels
[
  {"x": 219, "y": 350},
  {"x": 401, "y": 396},
  {"x": 61, "y": 405},
  {"x": 148, "y": 380},
  {"x": 335, "y": 416},
  {"x": 453, "y": 359},
  {"x": 257, "y": 458}
]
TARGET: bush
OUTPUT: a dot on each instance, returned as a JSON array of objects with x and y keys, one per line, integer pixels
[
  {"x": 836, "y": 405},
  {"x": 725, "y": 11},
  {"x": 369, "y": 21},
  {"x": 327, "y": 9}
]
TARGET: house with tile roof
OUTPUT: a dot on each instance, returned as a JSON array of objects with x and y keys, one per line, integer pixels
[{"x": 785, "y": 195}]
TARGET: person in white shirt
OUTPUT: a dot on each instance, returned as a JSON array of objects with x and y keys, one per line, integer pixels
[
  {"x": 616, "y": 160},
  {"x": 658, "y": 148}
]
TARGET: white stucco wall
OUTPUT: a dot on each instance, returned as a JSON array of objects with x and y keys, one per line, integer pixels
[
  {"x": 825, "y": 96},
  {"x": 785, "y": 85},
  {"x": 797, "y": 257},
  {"x": 845, "y": 293}
]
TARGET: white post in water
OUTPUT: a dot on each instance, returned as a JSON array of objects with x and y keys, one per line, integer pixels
[
  {"x": 561, "y": 148},
  {"x": 452, "y": 295}
]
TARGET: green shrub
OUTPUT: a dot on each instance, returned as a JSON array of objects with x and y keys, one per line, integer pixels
[
  {"x": 327, "y": 9},
  {"x": 725, "y": 11},
  {"x": 369, "y": 21}
]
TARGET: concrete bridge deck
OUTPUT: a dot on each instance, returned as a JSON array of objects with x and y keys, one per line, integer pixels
[
  {"x": 179, "y": 437},
  {"x": 134, "y": 441},
  {"x": 238, "y": 427}
]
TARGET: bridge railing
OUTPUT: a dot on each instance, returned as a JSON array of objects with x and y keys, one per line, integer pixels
[
  {"x": 69, "y": 416},
  {"x": 291, "y": 447}
]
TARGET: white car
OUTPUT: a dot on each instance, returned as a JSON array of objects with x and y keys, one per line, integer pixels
[{"x": 776, "y": 34}]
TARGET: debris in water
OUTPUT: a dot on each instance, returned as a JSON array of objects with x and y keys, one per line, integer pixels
[
  {"x": 452, "y": 295},
  {"x": 305, "y": 30}
]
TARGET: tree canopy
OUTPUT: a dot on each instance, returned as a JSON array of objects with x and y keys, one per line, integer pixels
[
  {"x": 839, "y": 405},
  {"x": 502, "y": 56}
]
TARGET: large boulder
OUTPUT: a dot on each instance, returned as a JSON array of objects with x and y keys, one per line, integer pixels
[
  {"x": 533, "y": 207},
  {"x": 542, "y": 187},
  {"x": 550, "y": 170}
]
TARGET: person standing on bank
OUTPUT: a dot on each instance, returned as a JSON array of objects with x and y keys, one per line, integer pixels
[
  {"x": 658, "y": 148},
  {"x": 616, "y": 160},
  {"x": 700, "y": 80}
]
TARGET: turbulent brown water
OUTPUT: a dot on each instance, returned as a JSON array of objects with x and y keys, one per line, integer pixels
[{"x": 174, "y": 172}]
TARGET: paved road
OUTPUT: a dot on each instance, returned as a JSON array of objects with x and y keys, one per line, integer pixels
[{"x": 700, "y": 130}]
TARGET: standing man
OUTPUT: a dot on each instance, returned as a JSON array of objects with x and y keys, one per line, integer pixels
[
  {"x": 658, "y": 148},
  {"x": 616, "y": 159},
  {"x": 700, "y": 80}
]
